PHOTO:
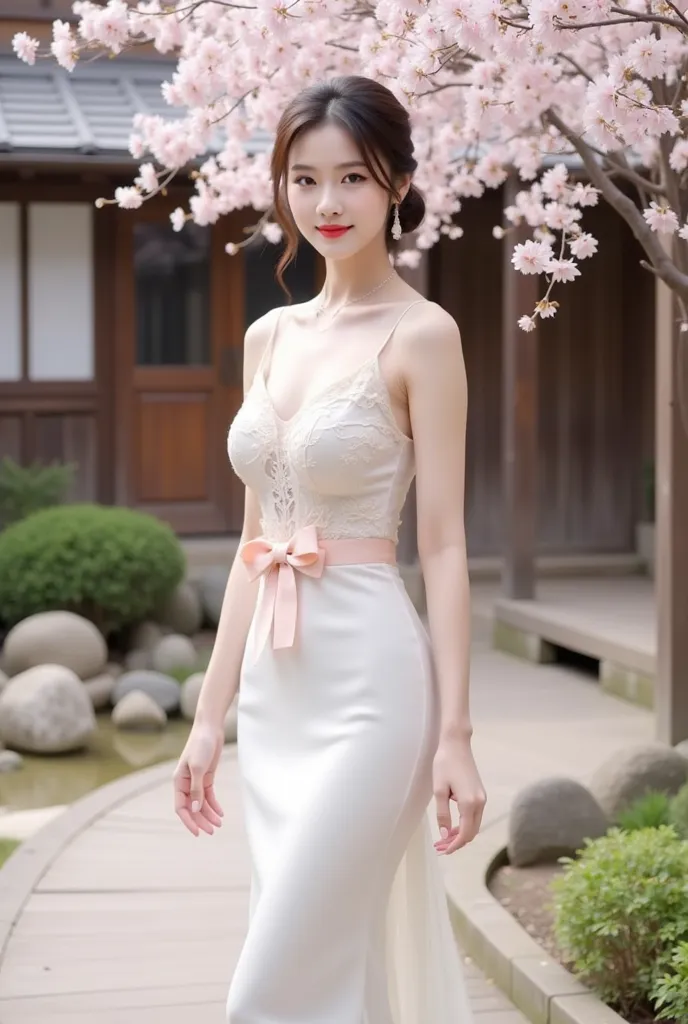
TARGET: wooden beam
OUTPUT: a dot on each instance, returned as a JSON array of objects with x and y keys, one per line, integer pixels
[
  {"x": 519, "y": 418},
  {"x": 671, "y": 683}
]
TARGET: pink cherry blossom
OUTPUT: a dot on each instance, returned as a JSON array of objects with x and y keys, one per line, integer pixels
[
  {"x": 25, "y": 47},
  {"x": 492, "y": 88}
]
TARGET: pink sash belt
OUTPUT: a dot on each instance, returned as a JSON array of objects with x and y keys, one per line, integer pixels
[{"x": 303, "y": 552}]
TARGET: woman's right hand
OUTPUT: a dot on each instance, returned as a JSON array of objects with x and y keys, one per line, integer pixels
[{"x": 194, "y": 778}]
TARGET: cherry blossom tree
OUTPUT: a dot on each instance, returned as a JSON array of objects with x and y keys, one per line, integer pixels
[{"x": 493, "y": 87}]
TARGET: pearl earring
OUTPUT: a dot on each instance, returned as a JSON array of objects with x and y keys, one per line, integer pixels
[{"x": 396, "y": 226}]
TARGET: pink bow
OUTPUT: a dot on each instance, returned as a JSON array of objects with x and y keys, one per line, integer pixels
[{"x": 278, "y": 560}]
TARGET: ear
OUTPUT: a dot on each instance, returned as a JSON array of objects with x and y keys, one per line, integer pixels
[{"x": 403, "y": 186}]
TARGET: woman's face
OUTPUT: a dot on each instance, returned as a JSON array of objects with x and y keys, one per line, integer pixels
[{"x": 329, "y": 184}]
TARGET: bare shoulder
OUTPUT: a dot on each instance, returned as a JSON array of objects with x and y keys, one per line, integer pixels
[{"x": 428, "y": 330}]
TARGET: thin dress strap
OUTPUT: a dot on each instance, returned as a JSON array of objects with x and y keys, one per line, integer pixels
[
  {"x": 415, "y": 302},
  {"x": 263, "y": 363}
]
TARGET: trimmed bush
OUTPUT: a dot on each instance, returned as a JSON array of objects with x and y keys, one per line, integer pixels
[
  {"x": 671, "y": 992},
  {"x": 678, "y": 812},
  {"x": 111, "y": 565},
  {"x": 27, "y": 489},
  {"x": 648, "y": 811},
  {"x": 621, "y": 909}
]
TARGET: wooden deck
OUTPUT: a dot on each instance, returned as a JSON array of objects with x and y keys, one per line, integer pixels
[
  {"x": 611, "y": 621},
  {"x": 124, "y": 917}
]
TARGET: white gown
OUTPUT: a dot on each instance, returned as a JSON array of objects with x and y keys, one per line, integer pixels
[{"x": 348, "y": 918}]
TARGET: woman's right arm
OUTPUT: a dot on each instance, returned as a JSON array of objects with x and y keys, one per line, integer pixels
[{"x": 221, "y": 680}]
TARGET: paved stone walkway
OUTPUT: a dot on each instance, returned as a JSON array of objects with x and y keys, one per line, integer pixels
[{"x": 124, "y": 916}]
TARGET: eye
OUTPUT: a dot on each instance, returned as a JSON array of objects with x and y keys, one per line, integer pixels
[
  {"x": 302, "y": 177},
  {"x": 355, "y": 174}
]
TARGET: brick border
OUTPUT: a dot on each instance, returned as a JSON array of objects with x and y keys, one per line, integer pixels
[
  {"x": 536, "y": 983},
  {"x": 24, "y": 869}
]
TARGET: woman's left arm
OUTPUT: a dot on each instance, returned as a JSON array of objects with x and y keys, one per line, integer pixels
[{"x": 437, "y": 395}]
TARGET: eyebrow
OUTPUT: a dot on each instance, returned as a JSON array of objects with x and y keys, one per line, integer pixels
[{"x": 339, "y": 167}]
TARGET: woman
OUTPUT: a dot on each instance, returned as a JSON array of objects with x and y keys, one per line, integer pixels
[{"x": 349, "y": 717}]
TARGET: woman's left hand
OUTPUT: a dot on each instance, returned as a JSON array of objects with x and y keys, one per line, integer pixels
[{"x": 456, "y": 777}]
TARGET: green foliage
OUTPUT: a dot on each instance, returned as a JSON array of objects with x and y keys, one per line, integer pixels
[
  {"x": 621, "y": 909},
  {"x": 27, "y": 489},
  {"x": 112, "y": 565},
  {"x": 678, "y": 812},
  {"x": 670, "y": 995},
  {"x": 7, "y": 848},
  {"x": 649, "y": 811}
]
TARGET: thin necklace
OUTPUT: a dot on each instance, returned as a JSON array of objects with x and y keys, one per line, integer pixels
[{"x": 323, "y": 309}]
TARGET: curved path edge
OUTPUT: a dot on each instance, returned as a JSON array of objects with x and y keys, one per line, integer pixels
[
  {"x": 543, "y": 990},
  {"x": 24, "y": 869}
]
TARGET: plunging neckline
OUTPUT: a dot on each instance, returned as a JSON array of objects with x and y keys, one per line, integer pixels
[{"x": 321, "y": 393}]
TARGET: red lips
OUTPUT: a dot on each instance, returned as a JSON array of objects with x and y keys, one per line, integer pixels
[{"x": 333, "y": 232}]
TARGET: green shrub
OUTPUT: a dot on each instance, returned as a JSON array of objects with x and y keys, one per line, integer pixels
[
  {"x": 112, "y": 565},
  {"x": 620, "y": 910},
  {"x": 27, "y": 489},
  {"x": 678, "y": 812},
  {"x": 670, "y": 995},
  {"x": 649, "y": 811},
  {"x": 7, "y": 848}
]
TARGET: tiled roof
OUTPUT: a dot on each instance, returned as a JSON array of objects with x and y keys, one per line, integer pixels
[{"x": 48, "y": 112}]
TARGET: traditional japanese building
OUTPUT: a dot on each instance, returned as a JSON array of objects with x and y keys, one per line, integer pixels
[{"x": 121, "y": 340}]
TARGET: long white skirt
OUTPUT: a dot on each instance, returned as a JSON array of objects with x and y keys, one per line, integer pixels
[{"x": 348, "y": 920}]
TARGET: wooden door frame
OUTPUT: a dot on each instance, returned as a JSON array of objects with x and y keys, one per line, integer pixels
[{"x": 224, "y": 319}]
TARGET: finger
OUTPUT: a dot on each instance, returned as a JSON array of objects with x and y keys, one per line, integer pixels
[
  {"x": 213, "y": 801},
  {"x": 468, "y": 829},
  {"x": 444, "y": 822},
  {"x": 186, "y": 819}
]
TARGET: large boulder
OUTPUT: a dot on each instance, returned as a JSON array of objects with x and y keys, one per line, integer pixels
[
  {"x": 137, "y": 659},
  {"x": 211, "y": 588},
  {"x": 681, "y": 748},
  {"x": 46, "y": 710},
  {"x": 551, "y": 818},
  {"x": 631, "y": 773},
  {"x": 174, "y": 652},
  {"x": 4, "y": 680},
  {"x": 165, "y": 691},
  {"x": 138, "y": 712},
  {"x": 55, "y": 638},
  {"x": 182, "y": 612}
]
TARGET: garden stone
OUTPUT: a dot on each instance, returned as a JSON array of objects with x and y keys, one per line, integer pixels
[
  {"x": 138, "y": 711},
  {"x": 182, "y": 612},
  {"x": 681, "y": 748},
  {"x": 174, "y": 652},
  {"x": 46, "y": 710},
  {"x": 551, "y": 818},
  {"x": 4, "y": 680},
  {"x": 56, "y": 638},
  {"x": 211, "y": 587},
  {"x": 114, "y": 669},
  {"x": 99, "y": 689},
  {"x": 162, "y": 689},
  {"x": 631, "y": 773},
  {"x": 137, "y": 659},
  {"x": 145, "y": 636},
  {"x": 10, "y": 761},
  {"x": 191, "y": 689}
]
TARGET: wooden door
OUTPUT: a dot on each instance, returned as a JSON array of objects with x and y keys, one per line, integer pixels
[
  {"x": 183, "y": 306},
  {"x": 176, "y": 363}
]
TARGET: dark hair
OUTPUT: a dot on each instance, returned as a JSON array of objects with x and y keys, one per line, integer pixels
[{"x": 380, "y": 126}]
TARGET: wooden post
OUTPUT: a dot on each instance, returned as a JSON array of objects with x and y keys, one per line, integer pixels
[
  {"x": 520, "y": 294},
  {"x": 671, "y": 473}
]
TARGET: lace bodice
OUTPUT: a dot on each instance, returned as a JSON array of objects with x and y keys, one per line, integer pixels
[{"x": 341, "y": 463}]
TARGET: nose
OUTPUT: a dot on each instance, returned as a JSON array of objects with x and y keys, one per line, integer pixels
[{"x": 328, "y": 204}]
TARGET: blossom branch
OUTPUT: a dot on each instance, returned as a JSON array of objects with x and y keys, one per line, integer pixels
[{"x": 626, "y": 208}]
